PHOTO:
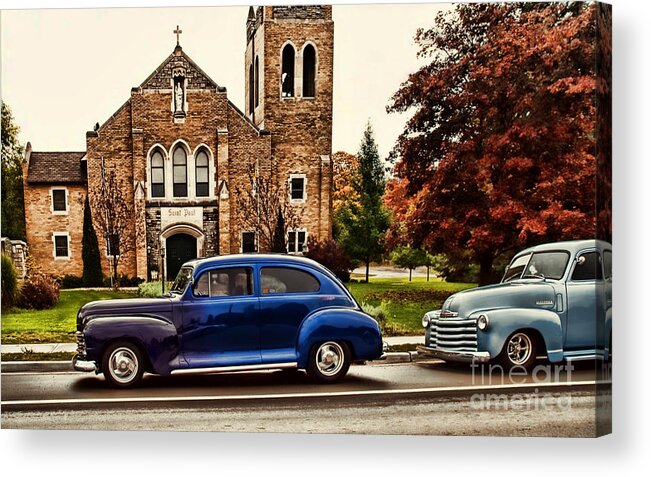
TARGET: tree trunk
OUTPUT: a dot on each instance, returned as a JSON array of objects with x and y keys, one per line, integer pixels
[
  {"x": 485, "y": 269},
  {"x": 410, "y": 274},
  {"x": 367, "y": 266},
  {"x": 428, "y": 273}
]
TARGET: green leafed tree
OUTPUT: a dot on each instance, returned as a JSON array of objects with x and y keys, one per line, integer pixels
[
  {"x": 13, "y": 207},
  {"x": 92, "y": 276},
  {"x": 408, "y": 257},
  {"x": 363, "y": 222}
]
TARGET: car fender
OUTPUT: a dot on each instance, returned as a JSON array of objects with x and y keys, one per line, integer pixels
[
  {"x": 505, "y": 321},
  {"x": 354, "y": 327},
  {"x": 157, "y": 337}
]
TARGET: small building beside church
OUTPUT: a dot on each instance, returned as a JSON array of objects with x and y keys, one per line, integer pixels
[{"x": 181, "y": 150}]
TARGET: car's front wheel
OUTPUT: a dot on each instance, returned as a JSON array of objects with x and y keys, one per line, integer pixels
[
  {"x": 329, "y": 361},
  {"x": 519, "y": 350},
  {"x": 123, "y": 364}
]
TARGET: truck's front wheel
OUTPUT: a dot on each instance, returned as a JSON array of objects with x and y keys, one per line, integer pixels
[
  {"x": 519, "y": 350},
  {"x": 123, "y": 364}
]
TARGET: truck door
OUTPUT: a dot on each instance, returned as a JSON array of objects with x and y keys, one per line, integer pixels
[{"x": 585, "y": 303}]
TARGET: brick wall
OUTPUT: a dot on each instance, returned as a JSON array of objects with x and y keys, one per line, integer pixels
[
  {"x": 42, "y": 223},
  {"x": 301, "y": 128}
]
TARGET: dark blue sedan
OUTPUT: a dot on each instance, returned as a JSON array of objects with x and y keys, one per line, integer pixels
[{"x": 231, "y": 313}]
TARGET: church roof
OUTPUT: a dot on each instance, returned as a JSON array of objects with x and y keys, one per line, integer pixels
[
  {"x": 196, "y": 77},
  {"x": 56, "y": 168}
]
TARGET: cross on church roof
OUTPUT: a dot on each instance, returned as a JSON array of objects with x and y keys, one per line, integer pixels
[{"x": 177, "y": 32}]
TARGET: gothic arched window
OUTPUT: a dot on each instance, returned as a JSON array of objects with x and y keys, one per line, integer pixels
[
  {"x": 201, "y": 173},
  {"x": 257, "y": 81},
  {"x": 309, "y": 72},
  {"x": 287, "y": 72},
  {"x": 157, "y": 174},
  {"x": 180, "y": 172},
  {"x": 251, "y": 89}
]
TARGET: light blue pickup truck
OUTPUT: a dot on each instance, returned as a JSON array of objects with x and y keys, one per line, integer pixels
[{"x": 555, "y": 300}]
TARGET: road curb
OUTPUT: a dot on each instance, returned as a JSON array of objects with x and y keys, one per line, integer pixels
[{"x": 36, "y": 366}]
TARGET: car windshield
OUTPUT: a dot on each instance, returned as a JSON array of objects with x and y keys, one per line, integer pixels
[
  {"x": 538, "y": 265},
  {"x": 182, "y": 280}
]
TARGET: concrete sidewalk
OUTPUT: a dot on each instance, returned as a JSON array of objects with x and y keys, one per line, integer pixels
[{"x": 71, "y": 347}]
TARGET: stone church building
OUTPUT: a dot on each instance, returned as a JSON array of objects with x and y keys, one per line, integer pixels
[{"x": 181, "y": 150}]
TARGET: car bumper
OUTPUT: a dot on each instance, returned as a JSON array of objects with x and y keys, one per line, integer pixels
[
  {"x": 459, "y": 356},
  {"x": 81, "y": 364}
]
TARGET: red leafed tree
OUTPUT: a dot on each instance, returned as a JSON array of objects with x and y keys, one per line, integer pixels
[{"x": 500, "y": 150}]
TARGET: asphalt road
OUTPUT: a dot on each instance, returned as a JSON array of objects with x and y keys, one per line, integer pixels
[{"x": 414, "y": 398}]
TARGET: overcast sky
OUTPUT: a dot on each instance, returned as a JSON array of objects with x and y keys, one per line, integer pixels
[{"x": 64, "y": 70}]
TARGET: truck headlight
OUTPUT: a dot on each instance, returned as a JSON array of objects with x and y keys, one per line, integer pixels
[
  {"x": 482, "y": 322},
  {"x": 425, "y": 320}
]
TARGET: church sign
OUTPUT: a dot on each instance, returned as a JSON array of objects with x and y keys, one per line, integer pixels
[{"x": 181, "y": 215}]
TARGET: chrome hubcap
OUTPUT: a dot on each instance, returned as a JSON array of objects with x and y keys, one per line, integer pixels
[
  {"x": 123, "y": 365},
  {"x": 519, "y": 348},
  {"x": 330, "y": 358}
]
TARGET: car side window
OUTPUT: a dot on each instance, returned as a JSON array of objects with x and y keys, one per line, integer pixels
[
  {"x": 588, "y": 267},
  {"x": 236, "y": 281},
  {"x": 608, "y": 264},
  {"x": 287, "y": 280}
]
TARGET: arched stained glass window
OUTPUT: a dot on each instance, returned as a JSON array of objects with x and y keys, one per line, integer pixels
[
  {"x": 180, "y": 172},
  {"x": 157, "y": 174},
  {"x": 201, "y": 173}
]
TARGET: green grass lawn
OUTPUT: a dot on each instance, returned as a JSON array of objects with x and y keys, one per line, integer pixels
[
  {"x": 56, "y": 325},
  {"x": 405, "y": 303}
]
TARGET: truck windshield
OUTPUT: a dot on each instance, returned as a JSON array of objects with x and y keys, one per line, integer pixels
[
  {"x": 538, "y": 265},
  {"x": 515, "y": 269},
  {"x": 182, "y": 280}
]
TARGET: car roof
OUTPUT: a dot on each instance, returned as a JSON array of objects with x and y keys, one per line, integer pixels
[
  {"x": 254, "y": 258},
  {"x": 572, "y": 246}
]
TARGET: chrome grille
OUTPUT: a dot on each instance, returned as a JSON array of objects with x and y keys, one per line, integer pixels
[
  {"x": 81, "y": 343},
  {"x": 453, "y": 334}
]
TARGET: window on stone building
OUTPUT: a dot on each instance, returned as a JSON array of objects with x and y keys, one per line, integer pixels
[
  {"x": 287, "y": 72},
  {"x": 309, "y": 71},
  {"x": 257, "y": 81},
  {"x": 201, "y": 173},
  {"x": 61, "y": 246},
  {"x": 157, "y": 174},
  {"x": 59, "y": 201},
  {"x": 251, "y": 89},
  {"x": 296, "y": 240},
  {"x": 180, "y": 172},
  {"x": 297, "y": 187},
  {"x": 248, "y": 242}
]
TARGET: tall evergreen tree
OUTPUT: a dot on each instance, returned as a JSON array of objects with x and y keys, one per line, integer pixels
[
  {"x": 92, "y": 276},
  {"x": 13, "y": 206},
  {"x": 278, "y": 243},
  {"x": 363, "y": 221}
]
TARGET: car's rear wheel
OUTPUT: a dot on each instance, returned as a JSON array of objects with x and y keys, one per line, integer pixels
[
  {"x": 123, "y": 364},
  {"x": 520, "y": 349},
  {"x": 329, "y": 361}
]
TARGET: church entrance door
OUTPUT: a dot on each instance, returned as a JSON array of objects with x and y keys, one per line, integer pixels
[{"x": 180, "y": 249}]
